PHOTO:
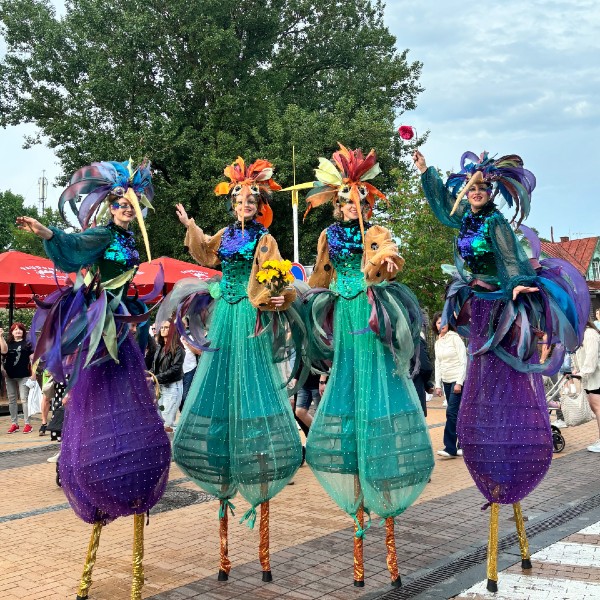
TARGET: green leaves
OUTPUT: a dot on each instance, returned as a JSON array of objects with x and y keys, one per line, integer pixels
[{"x": 193, "y": 85}]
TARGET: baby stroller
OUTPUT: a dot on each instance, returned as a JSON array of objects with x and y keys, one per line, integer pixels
[{"x": 553, "y": 394}]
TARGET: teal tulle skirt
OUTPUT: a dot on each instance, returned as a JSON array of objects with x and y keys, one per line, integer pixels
[
  {"x": 237, "y": 431},
  {"x": 369, "y": 441}
]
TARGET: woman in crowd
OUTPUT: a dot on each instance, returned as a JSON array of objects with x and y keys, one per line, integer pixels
[
  {"x": 450, "y": 371},
  {"x": 165, "y": 362},
  {"x": 502, "y": 301},
  {"x": 588, "y": 367},
  {"x": 368, "y": 445},
  {"x": 115, "y": 455},
  {"x": 237, "y": 430},
  {"x": 16, "y": 358}
]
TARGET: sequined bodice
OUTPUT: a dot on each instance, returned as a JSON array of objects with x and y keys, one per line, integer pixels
[
  {"x": 120, "y": 255},
  {"x": 346, "y": 253},
  {"x": 474, "y": 242},
  {"x": 237, "y": 253}
]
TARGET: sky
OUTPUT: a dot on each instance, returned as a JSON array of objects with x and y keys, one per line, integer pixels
[{"x": 509, "y": 77}]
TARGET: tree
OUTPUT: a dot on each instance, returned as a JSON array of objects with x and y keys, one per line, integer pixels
[
  {"x": 192, "y": 85},
  {"x": 11, "y": 237},
  {"x": 425, "y": 243}
]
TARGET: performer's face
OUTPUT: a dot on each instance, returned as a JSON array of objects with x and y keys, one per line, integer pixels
[
  {"x": 245, "y": 202},
  {"x": 349, "y": 211},
  {"x": 478, "y": 196}
]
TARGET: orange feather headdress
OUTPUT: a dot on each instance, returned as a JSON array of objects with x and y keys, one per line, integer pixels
[
  {"x": 347, "y": 176},
  {"x": 252, "y": 180}
]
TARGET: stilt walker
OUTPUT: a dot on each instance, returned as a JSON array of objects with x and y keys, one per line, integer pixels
[
  {"x": 369, "y": 445},
  {"x": 504, "y": 302},
  {"x": 109, "y": 467},
  {"x": 237, "y": 431}
]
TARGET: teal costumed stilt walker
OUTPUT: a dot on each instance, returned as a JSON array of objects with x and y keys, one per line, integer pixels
[
  {"x": 237, "y": 432},
  {"x": 368, "y": 446}
]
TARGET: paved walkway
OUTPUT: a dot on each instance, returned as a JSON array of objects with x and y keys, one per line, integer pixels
[{"x": 439, "y": 539}]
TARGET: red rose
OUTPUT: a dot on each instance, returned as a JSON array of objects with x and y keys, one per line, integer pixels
[{"x": 406, "y": 132}]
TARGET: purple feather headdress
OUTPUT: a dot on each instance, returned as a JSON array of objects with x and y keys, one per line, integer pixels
[
  {"x": 506, "y": 175},
  {"x": 100, "y": 180}
]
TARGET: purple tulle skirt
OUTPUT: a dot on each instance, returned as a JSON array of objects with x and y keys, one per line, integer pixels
[
  {"x": 115, "y": 454},
  {"x": 503, "y": 423}
]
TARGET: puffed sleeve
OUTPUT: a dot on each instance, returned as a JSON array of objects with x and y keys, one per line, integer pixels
[
  {"x": 71, "y": 251},
  {"x": 379, "y": 245},
  {"x": 258, "y": 294},
  {"x": 202, "y": 247},
  {"x": 323, "y": 270},
  {"x": 440, "y": 200},
  {"x": 512, "y": 264}
]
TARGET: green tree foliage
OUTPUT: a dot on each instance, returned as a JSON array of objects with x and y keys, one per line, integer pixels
[
  {"x": 425, "y": 243},
  {"x": 12, "y": 238},
  {"x": 192, "y": 85}
]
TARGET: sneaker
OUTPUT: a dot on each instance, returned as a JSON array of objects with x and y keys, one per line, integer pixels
[
  {"x": 459, "y": 452},
  {"x": 594, "y": 447},
  {"x": 28, "y": 428},
  {"x": 445, "y": 454},
  {"x": 559, "y": 423},
  {"x": 13, "y": 428},
  {"x": 54, "y": 459}
]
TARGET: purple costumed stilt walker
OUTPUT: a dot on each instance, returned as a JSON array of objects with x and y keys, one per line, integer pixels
[
  {"x": 115, "y": 454},
  {"x": 505, "y": 303}
]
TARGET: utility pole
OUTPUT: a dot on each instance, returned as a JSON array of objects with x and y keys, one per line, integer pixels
[{"x": 42, "y": 192}]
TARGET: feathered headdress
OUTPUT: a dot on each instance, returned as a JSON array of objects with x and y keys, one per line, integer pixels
[
  {"x": 103, "y": 179},
  {"x": 252, "y": 180},
  {"x": 505, "y": 175},
  {"x": 346, "y": 176}
]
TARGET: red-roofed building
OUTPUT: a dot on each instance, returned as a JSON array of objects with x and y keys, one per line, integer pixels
[{"x": 584, "y": 254}]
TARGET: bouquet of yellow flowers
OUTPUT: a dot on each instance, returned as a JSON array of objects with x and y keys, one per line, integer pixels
[{"x": 276, "y": 275}]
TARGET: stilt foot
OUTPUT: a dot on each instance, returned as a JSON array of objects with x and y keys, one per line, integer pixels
[
  {"x": 526, "y": 563},
  {"x": 222, "y": 576},
  {"x": 397, "y": 582},
  {"x": 359, "y": 583},
  {"x": 266, "y": 576},
  {"x": 81, "y": 597},
  {"x": 492, "y": 586}
]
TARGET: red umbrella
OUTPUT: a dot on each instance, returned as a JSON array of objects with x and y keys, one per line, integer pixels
[
  {"x": 174, "y": 271},
  {"x": 23, "y": 275}
]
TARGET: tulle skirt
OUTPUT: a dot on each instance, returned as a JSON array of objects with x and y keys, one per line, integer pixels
[
  {"x": 115, "y": 454},
  {"x": 237, "y": 431},
  {"x": 503, "y": 423},
  {"x": 369, "y": 441}
]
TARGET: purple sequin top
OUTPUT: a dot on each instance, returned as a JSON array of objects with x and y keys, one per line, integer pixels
[
  {"x": 121, "y": 254},
  {"x": 474, "y": 242}
]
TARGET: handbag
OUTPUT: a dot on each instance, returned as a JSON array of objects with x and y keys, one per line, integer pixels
[
  {"x": 574, "y": 402},
  {"x": 34, "y": 399}
]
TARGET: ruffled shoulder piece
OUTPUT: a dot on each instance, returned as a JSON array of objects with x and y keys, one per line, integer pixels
[
  {"x": 191, "y": 299},
  {"x": 557, "y": 312},
  {"x": 289, "y": 336},
  {"x": 395, "y": 319},
  {"x": 83, "y": 324}
]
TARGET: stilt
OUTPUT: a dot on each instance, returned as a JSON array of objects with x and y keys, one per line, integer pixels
[
  {"x": 90, "y": 560},
  {"x": 263, "y": 548},
  {"x": 225, "y": 564},
  {"x": 523, "y": 543},
  {"x": 392, "y": 558},
  {"x": 359, "y": 566},
  {"x": 138, "y": 557},
  {"x": 492, "y": 554}
]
